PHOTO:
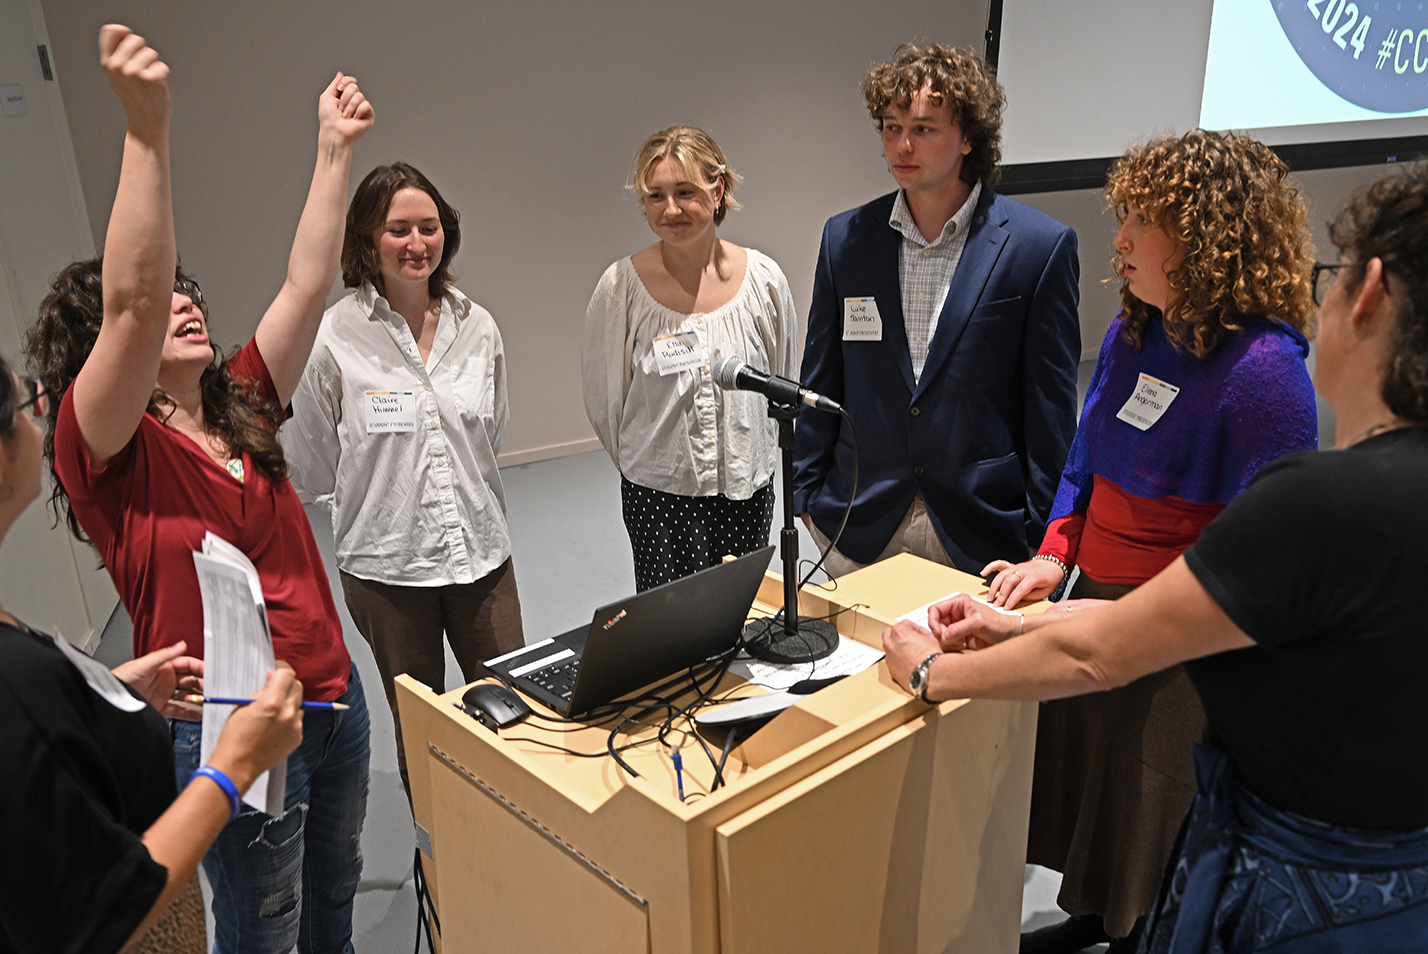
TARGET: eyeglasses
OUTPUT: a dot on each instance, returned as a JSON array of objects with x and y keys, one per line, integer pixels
[
  {"x": 189, "y": 287},
  {"x": 1324, "y": 278},
  {"x": 39, "y": 400}
]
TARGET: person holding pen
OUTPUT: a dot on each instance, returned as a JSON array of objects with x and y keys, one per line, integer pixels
[
  {"x": 159, "y": 439},
  {"x": 101, "y": 844}
]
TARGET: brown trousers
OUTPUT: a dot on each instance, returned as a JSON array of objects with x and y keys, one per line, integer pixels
[{"x": 404, "y": 627}]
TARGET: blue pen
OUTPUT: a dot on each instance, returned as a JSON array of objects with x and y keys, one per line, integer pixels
[
  {"x": 678, "y": 771},
  {"x": 219, "y": 701}
]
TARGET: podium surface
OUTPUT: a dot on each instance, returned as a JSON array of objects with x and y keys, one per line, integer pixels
[{"x": 860, "y": 820}]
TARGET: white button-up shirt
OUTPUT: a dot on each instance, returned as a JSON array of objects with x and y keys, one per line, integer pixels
[
  {"x": 421, "y": 505},
  {"x": 679, "y": 432},
  {"x": 925, "y": 271}
]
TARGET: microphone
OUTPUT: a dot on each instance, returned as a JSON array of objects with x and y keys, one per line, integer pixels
[{"x": 733, "y": 374}]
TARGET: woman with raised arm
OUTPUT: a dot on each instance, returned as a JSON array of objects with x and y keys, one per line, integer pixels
[
  {"x": 100, "y": 845},
  {"x": 159, "y": 440},
  {"x": 399, "y": 417},
  {"x": 696, "y": 462},
  {"x": 1298, "y": 614},
  {"x": 1200, "y": 382}
]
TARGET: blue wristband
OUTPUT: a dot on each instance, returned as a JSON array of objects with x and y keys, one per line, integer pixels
[{"x": 235, "y": 802}]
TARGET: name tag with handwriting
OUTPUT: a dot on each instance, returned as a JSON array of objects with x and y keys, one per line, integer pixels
[
  {"x": 861, "y": 321},
  {"x": 391, "y": 411},
  {"x": 1147, "y": 402},
  {"x": 676, "y": 353}
]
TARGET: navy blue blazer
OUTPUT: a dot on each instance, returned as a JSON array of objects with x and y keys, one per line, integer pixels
[{"x": 984, "y": 433}]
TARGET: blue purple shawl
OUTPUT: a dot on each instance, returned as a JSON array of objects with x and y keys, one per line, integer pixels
[{"x": 1245, "y": 405}]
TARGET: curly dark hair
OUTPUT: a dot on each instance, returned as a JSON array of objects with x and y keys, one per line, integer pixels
[
  {"x": 8, "y": 398},
  {"x": 59, "y": 342},
  {"x": 1388, "y": 220},
  {"x": 368, "y": 212},
  {"x": 957, "y": 79},
  {"x": 1224, "y": 199}
]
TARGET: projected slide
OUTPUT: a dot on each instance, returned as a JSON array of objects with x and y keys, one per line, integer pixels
[{"x": 1300, "y": 62}]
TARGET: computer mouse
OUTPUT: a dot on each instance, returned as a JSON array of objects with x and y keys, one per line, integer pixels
[{"x": 494, "y": 705}]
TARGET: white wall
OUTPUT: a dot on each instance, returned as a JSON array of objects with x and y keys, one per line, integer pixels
[
  {"x": 46, "y": 578},
  {"x": 525, "y": 115}
]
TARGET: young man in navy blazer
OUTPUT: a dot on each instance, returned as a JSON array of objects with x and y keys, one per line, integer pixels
[{"x": 944, "y": 320}]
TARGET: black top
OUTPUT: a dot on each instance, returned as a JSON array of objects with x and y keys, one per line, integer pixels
[
  {"x": 80, "y": 781},
  {"x": 1323, "y": 562}
]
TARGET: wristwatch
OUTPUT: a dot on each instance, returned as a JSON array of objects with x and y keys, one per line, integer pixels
[{"x": 917, "y": 682}]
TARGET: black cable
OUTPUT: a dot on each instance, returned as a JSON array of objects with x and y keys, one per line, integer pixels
[{"x": 425, "y": 908}]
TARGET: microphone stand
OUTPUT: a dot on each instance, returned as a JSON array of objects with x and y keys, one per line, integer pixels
[{"x": 796, "y": 639}]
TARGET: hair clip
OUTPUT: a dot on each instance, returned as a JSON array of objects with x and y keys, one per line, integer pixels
[{"x": 720, "y": 169}]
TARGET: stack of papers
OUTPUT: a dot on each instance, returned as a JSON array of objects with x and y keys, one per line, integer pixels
[{"x": 237, "y": 652}]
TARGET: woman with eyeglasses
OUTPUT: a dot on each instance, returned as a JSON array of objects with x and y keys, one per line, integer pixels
[
  {"x": 158, "y": 440},
  {"x": 1298, "y": 614},
  {"x": 696, "y": 461},
  {"x": 101, "y": 848},
  {"x": 1200, "y": 382}
]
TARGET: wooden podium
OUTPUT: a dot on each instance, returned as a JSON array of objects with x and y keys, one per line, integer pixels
[{"x": 858, "y": 821}]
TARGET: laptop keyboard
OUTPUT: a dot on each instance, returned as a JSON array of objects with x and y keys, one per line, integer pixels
[{"x": 558, "y": 679}]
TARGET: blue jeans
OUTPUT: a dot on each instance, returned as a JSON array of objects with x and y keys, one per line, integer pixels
[{"x": 291, "y": 880}]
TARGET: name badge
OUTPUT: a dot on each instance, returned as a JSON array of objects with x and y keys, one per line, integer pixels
[
  {"x": 1147, "y": 402},
  {"x": 391, "y": 411},
  {"x": 676, "y": 353},
  {"x": 861, "y": 321}
]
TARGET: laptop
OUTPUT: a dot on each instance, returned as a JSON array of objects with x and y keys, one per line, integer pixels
[{"x": 638, "y": 641}]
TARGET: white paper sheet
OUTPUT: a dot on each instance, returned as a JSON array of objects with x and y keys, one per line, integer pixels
[
  {"x": 851, "y": 656},
  {"x": 237, "y": 652},
  {"x": 919, "y": 615}
]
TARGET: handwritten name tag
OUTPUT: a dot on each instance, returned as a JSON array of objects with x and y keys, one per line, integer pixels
[
  {"x": 676, "y": 353},
  {"x": 861, "y": 321},
  {"x": 391, "y": 411},
  {"x": 1147, "y": 402}
]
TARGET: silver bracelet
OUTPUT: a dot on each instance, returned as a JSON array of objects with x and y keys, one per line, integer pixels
[{"x": 1051, "y": 559}]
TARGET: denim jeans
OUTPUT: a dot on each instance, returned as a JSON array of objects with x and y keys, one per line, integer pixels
[{"x": 291, "y": 880}]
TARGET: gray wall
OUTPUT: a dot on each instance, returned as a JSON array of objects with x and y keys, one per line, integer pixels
[{"x": 525, "y": 115}]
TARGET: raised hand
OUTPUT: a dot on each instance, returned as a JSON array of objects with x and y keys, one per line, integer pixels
[
  {"x": 138, "y": 77},
  {"x": 343, "y": 111}
]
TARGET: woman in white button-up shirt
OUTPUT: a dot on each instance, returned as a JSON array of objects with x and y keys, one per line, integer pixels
[
  {"x": 398, "y": 418},
  {"x": 696, "y": 462}
]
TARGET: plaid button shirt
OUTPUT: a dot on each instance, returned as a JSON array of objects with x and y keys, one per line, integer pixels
[{"x": 925, "y": 271}]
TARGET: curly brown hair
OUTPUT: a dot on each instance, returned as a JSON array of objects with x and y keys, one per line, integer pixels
[
  {"x": 368, "y": 212},
  {"x": 59, "y": 342},
  {"x": 1225, "y": 200},
  {"x": 1388, "y": 220},
  {"x": 957, "y": 79}
]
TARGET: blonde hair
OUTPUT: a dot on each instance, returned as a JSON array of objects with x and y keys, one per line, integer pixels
[
  {"x": 1225, "y": 200},
  {"x": 700, "y": 157}
]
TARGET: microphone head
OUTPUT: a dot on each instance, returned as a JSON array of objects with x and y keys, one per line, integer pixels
[{"x": 726, "y": 372}]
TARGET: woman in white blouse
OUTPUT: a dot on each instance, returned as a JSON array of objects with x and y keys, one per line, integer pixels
[
  {"x": 399, "y": 417},
  {"x": 696, "y": 462}
]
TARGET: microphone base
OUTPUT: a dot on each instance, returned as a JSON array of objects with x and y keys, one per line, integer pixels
[{"x": 768, "y": 640}]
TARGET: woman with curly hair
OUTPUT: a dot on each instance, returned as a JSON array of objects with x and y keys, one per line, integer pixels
[
  {"x": 157, "y": 441},
  {"x": 1200, "y": 382},
  {"x": 1309, "y": 830}
]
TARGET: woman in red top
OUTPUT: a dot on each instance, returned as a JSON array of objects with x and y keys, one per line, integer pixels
[{"x": 158, "y": 440}]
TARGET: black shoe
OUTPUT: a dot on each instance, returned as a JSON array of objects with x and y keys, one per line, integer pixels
[{"x": 1068, "y": 937}]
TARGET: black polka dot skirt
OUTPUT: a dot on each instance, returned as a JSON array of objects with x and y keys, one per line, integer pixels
[{"x": 673, "y": 536}]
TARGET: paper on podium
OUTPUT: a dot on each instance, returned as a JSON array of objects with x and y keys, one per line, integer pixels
[
  {"x": 237, "y": 652},
  {"x": 919, "y": 615},
  {"x": 851, "y": 656}
]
